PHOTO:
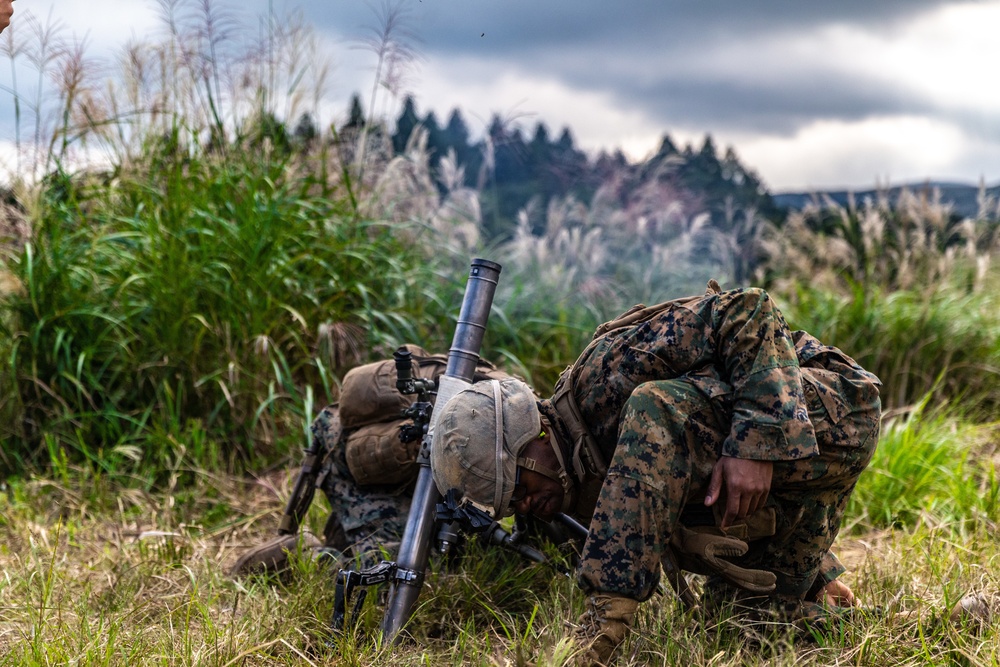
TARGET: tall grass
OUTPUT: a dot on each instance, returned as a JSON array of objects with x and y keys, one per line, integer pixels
[
  {"x": 208, "y": 285},
  {"x": 931, "y": 466},
  {"x": 913, "y": 243},
  {"x": 195, "y": 293},
  {"x": 944, "y": 338}
]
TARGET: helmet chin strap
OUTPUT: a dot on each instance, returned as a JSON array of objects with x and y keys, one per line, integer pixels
[
  {"x": 557, "y": 475},
  {"x": 498, "y": 412}
]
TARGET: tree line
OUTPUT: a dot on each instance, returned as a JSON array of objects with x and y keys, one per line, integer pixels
[{"x": 510, "y": 167}]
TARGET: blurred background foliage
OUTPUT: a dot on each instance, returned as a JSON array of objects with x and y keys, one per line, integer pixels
[{"x": 192, "y": 260}]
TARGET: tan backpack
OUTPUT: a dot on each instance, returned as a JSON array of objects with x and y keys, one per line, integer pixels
[{"x": 371, "y": 417}]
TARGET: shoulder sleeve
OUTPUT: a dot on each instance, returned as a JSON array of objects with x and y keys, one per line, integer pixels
[{"x": 755, "y": 354}]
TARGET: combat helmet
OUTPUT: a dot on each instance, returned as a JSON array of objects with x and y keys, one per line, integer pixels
[{"x": 479, "y": 437}]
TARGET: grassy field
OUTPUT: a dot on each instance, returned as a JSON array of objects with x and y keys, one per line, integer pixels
[{"x": 98, "y": 574}]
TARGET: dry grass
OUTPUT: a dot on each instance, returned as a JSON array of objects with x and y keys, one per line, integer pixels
[
  {"x": 911, "y": 243},
  {"x": 206, "y": 76},
  {"x": 101, "y": 577}
]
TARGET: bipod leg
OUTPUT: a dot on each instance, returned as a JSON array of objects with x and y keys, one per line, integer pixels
[
  {"x": 348, "y": 581},
  {"x": 359, "y": 603},
  {"x": 677, "y": 580}
]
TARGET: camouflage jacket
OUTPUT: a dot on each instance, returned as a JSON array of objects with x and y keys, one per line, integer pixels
[{"x": 749, "y": 366}]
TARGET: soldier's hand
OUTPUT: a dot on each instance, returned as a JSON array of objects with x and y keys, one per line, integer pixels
[
  {"x": 836, "y": 594},
  {"x": 747, "y": 484}
]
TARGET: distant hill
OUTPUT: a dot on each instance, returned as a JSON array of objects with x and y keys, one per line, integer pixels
[
  {"x": 511, "y": 168},
  {"x": 962, "y": 197}
]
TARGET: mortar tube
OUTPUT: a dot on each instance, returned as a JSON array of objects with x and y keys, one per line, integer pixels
[{"x": 463, "y": 356}]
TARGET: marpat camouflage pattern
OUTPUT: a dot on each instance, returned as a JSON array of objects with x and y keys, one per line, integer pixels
[{"x": 711, "y": 376}]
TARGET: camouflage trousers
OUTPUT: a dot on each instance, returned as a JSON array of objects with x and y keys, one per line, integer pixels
[
  {"x": 670, "y": 437},
  {"x": 365, "y": 522}
]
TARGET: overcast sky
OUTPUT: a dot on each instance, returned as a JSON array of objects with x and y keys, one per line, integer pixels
[{"x": 812, "y": 94}]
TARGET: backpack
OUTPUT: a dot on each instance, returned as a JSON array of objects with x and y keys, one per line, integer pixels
[{"x": 377, "y": 446}]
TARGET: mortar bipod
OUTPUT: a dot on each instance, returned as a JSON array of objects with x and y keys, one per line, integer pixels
[
  {"x": 452, "y": 516},
  {"x": 349, "y": 580}
]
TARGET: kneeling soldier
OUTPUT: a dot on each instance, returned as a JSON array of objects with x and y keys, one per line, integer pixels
[{"x": 708, "y": 405}]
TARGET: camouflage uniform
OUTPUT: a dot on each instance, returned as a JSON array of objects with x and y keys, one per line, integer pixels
[
  {"x": 363, "y": 519},
  {"x": 718, "y": 375},
  {"x": 671, "y": 386}
]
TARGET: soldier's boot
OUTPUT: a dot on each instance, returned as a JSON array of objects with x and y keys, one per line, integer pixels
[
  {"x": 603, "y": 627},
  {"x": 272, "y": 556}
]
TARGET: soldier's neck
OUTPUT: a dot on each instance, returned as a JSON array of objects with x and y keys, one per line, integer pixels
[{"x": 559, "y": 440}]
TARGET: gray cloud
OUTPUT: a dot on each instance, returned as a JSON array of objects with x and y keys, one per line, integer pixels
[
  {"x": 733, "y": 68},
  {"x": 506, "y": 26},
  {"x": 774, "y": 107},
  {"x": 719, "y": 67},
  {"x": 652, "y": 53}
]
